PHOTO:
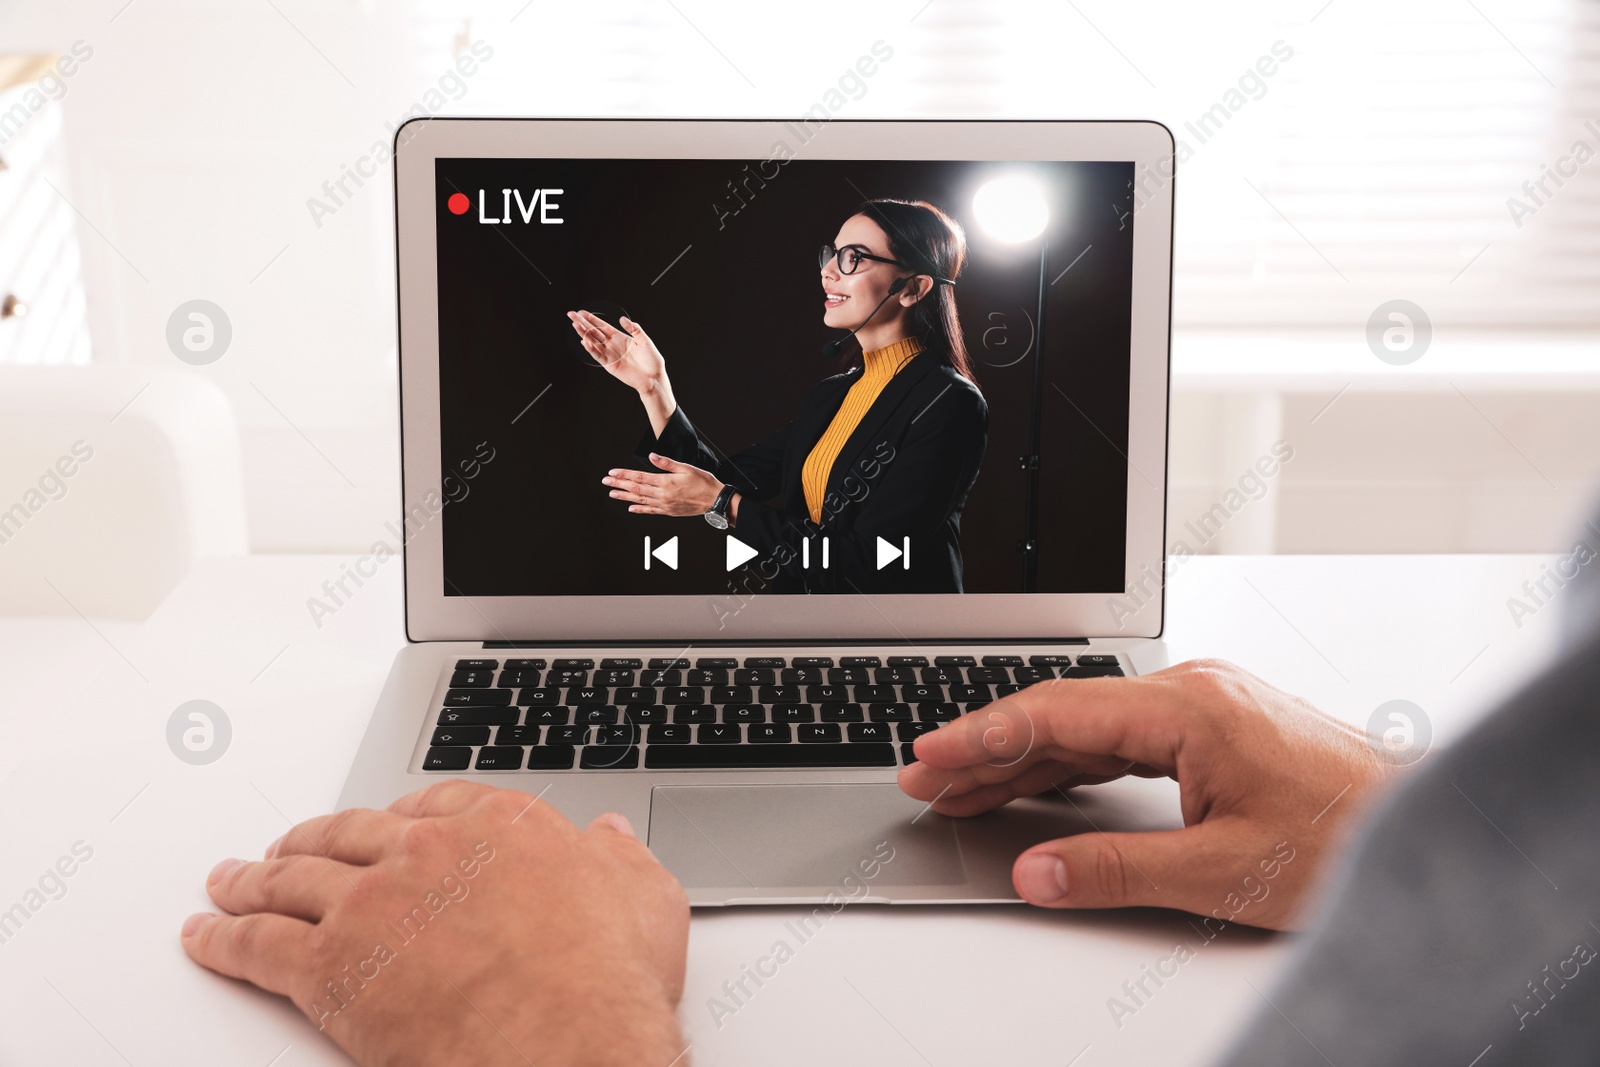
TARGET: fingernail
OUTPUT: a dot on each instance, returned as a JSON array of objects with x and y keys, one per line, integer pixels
[
  {"x": 620, "y": 822},
  {"x": 272, "y": 849},
  {"x": 220, "y": 871},
  {"x": 1042, "y": 878},
  {"x": 195, "y": 922}
]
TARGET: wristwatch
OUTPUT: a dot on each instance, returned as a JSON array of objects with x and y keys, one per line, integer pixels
[{"x": 718, "y": 515}]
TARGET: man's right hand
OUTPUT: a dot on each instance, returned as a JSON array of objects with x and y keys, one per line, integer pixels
[{"x": 1262, "y": 775}]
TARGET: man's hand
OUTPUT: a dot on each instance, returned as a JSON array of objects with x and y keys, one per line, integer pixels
[
  {"x": 464, "y": 924},
  {"x": 1263, "y": 776}
]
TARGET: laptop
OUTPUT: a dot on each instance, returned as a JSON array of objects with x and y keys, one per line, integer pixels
[{"x": 912, "y": 459}]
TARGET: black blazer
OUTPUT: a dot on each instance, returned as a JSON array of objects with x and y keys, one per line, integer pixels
[{"x": 905, "y": 471}]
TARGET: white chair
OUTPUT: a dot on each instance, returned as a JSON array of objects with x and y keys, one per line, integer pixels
[{"x": 113, "y": 482}]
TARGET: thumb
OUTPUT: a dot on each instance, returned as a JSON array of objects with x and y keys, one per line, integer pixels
[
  {"x": 613, "y": 821},
  {"x": 1162, "y": 869},
  {"x": 629, "y": 325},
  {"x": 666, "y": 463}
]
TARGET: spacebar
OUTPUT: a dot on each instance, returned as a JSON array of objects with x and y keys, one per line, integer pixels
[{"x": 675, "y": 757}]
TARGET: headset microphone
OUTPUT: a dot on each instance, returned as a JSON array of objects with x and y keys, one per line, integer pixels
[{"x": 831, "y": 348}]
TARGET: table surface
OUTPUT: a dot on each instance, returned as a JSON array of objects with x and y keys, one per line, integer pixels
[{"x": 98, "y": 977}]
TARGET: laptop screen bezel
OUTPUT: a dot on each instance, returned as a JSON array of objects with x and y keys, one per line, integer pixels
[{"x": 768, "y": 618}]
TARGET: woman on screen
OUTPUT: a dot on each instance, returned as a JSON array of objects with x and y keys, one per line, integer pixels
[{"x": 878, "y": 460}]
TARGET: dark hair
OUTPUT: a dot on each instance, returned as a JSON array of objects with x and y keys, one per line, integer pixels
[{"x": 930, "y": 242}]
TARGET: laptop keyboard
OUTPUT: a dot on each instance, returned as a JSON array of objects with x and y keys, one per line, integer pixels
[{"x": 666, "y": 713}]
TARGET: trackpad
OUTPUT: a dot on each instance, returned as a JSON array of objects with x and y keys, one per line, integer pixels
[{"x": 819, "y": 837}]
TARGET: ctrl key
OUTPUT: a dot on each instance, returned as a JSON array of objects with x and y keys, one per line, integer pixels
[
  {"x": 500, "y": 758},
  {"x": 447, "y": 758}
]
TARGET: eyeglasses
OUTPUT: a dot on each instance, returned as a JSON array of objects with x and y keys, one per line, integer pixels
[{"x": 850, "y": 257}]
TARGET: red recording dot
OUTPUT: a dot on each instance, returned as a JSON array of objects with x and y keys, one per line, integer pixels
[{"x": 458, "y": 203}]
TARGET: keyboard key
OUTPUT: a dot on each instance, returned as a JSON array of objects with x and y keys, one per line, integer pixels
[
  {"x": 660, "y": 663},
  {"x": 917, "y": 694},
  {"x": 612, "y": 678},
  {"x": 588, "y": 694},
  {"x": 867, "y": 694},
  {"x": 548, "y": 716},
  {"x": 1008, "y": 688},
  {"x": 868, "y": 731},
  {"x": 1029, "y": 675},
  {"x": 849, "y": 676},
  {"x": 517, "y": 679},
  {"x": 619, "y": 758},
  {"x": 717, "y": 663},
  {"x": 447, "y": 759},
  {"x": 477, "y": 716},
  {"x": 477, "y": 664},
  {"x": 718, "y": 733},
  {"x": 754, "y": 676},
  {"x": 462, "y": 735},
  {"x": 860, "y": 661},
  {"x": 621, "y": 734},
  {"x": 954, "y": 661},
  {"x": 744, "y": 713},
  {"x": 938, "y": 712},
  {"x": 667, "y": 677},
  {"x": 894, "y": 676},
  {"x": 539, "y": 695},
  {"x": 500, "y": 758},
  {"x": 910, "y": 731},
  {"x": 596, "y": 714},
  {"x": 889, "y": 712},
  {"x": 476, "y": 698},
  {"x": 978, "y": 675},
  {"x": 1050, "y": 661},
  {"x": 679, "y": 757},
  {"x": 635, "y": 694},
  {"x": 567, "y": 678},
  {"x": 800, "y": 676},
  {"x": 813, "y": 661},
  {"x": 793, "y": 713},
  {"x": 667, "y": 734},
  {"x": 818, "y": 733},
  {"x": 908, "y": 754},
  {"x": 769, "y": 733},
  {"x": 644, "y": 714},
  {"x": 908, "y": 661},
  {"x": 1097, "y": 661},
  {"x": 827, "y": 694},
  {"x": 842, "y": 713},
  {"x": 764, "y": 661},
  {"x": 567, "y": 735},
  {"x": 1092, "y": 672},
  {"x": 694, "y": 713},
  {"x": 516, "y": 735},
  {"x": 1002, "y": 661},
  {"x": 621, "y": 664},
  {"x": 525, "y": 664},
  {"x": 699, "y": 676},
  {"x": 965, "y": 693},
  {"x": 732, "y": 694},
  {"x": 550, "y": 758},
  {"x": 683, "y": 694},
  {"x": 574, "y": 665},
  {"x": 942, "y": 675},
  {"x": 778, "y": 694}
]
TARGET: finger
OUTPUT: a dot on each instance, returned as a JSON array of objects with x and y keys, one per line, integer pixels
[
  {"x": 632, "y": 327},
  {"x": 303, "y": 887},
  {"x": 441, "y": 798},
  {"x": 969, "y": 797},
  {"x": 649, "y": 509},
  {"x": 355, "y": 835},
  {"x": 667, "y": 463},
  {"x": 642, "y": 494},
  {"x": 612, "y": 821},
  {"x": 264, "y": 949},
  {"x": 1140, "y": 720},
  {"x": 1165, "y": 869},
  {"x": 623, "y": 474},
  {"x": 600, "y": 326}
]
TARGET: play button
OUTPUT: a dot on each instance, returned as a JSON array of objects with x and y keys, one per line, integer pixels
[
  {"x": 888, "y": 552},
  {"x": 666, "y": 552},
  {"x": 739, "y": 553}
]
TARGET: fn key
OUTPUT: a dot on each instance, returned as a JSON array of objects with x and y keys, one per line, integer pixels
[{"x": 448, "y": 758}]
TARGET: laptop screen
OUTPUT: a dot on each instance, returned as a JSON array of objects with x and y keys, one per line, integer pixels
[{"x": 596, "y": 313}]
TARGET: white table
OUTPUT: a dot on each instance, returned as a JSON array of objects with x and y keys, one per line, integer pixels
[{"x": 98, "y": 977}]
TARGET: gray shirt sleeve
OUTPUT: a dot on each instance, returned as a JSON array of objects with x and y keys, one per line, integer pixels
[{"x": 1463, "y": 930}]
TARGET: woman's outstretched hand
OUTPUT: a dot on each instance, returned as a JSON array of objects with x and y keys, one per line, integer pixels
[
  {"x": 631, "y": 357},
  {"x": 683, "y": 490}
]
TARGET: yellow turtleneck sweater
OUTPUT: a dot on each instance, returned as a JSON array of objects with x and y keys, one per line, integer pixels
[{"x": 878, "y": 366}]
